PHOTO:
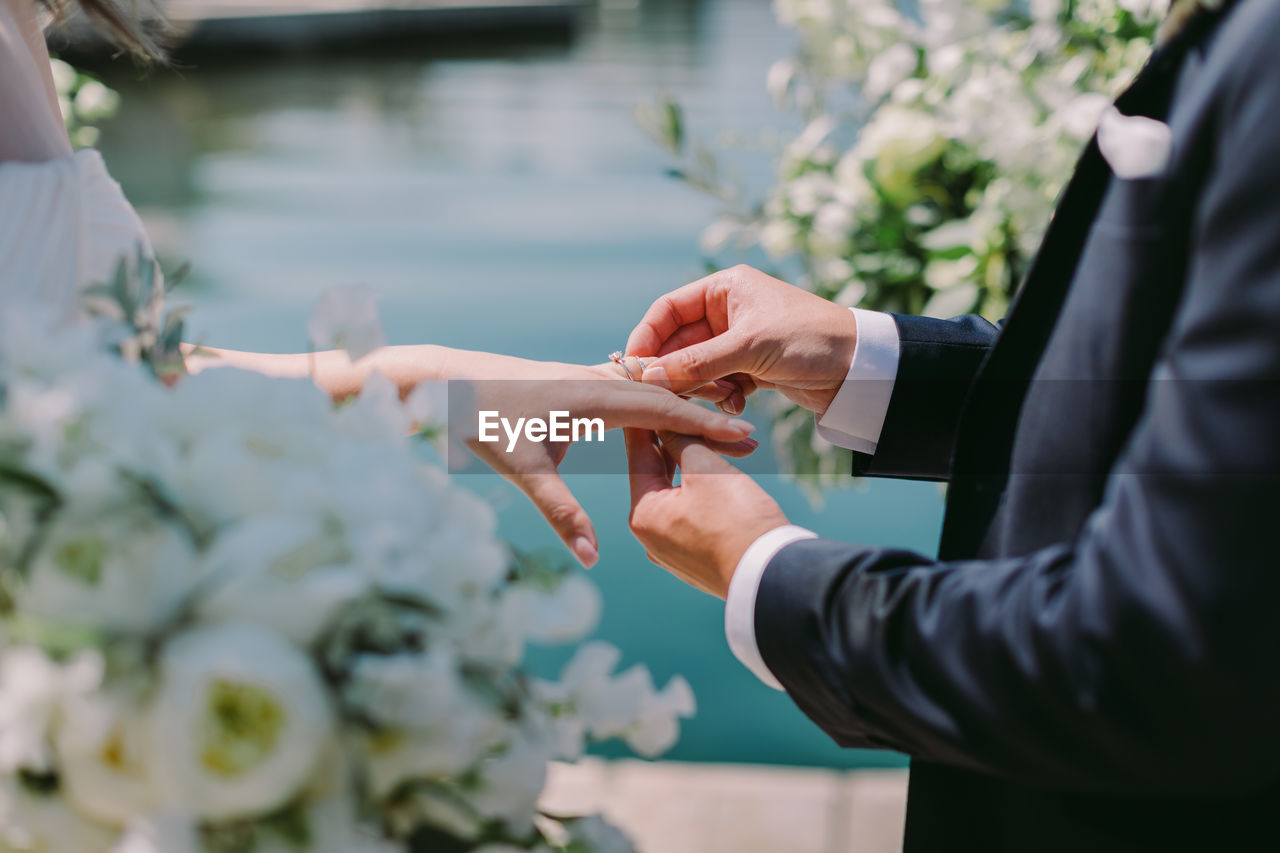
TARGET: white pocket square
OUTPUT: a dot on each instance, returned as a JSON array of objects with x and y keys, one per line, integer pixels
[{"x": 1134, "y": 146}]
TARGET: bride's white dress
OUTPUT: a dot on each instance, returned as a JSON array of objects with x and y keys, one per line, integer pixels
[{"x": 64, "y": 225}]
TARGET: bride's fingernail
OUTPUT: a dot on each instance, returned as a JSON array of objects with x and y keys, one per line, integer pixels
[
  {"x": 744, "y": 427},
  {"x": 657, "y": 375},
  {"x": 585, "y": 551}
]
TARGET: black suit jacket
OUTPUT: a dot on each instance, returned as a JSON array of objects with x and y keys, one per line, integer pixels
[{"x": 1092, "y": 663}]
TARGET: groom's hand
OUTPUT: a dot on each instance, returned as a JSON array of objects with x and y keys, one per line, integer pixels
[
  {"x": 700, "y": 529},
  {"x": 533, "y": 389},
  {"x": 754, "y": 330}
]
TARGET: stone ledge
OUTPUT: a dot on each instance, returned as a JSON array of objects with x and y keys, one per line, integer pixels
[{"x": 671, "y": 807}]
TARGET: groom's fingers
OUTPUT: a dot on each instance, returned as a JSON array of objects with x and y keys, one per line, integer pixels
[
  {"x": 646, "y": 467},
  {"x": 565, "y": 515},
  {"x": 699, "y": 364},
  {"x": 729, "y": 394},
  {"x": 736, "y": 449},
  {"x": 694, "y": 456},
  {"x": 686, "y": 336},
  {"x": 681, "y": 307}
]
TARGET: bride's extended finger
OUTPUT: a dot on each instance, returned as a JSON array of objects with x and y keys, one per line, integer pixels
[
  {"x": 653, "y": 408},
  {"x": 563, "y": 512}
]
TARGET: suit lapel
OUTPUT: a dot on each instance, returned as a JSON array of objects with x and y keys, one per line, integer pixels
[{"x": 987, "y": 428}]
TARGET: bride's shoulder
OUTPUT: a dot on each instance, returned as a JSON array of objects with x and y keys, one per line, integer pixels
[
  {"x": 30, "y": 126},
  {"x": 15, "y": 15},
  {"x": 8, "y": 17}
]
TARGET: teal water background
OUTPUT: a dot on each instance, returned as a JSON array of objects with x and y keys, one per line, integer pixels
[{"x": 501, "y": 197}]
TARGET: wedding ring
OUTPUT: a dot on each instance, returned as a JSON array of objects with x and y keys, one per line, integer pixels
[{"x": 617, "y": 358}]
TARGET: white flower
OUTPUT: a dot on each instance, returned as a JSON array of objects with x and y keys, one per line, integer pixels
[
  {"x": 64, "y": 76},
  {"x": 32, "y": 688},
  {"x": 420, "y": 691},
  {"x": 779, "y": 237},
  {"x": 291, "y": 574},
  {"x": 832, "y": 227},
  {"x": 167, "y": 833},
  {"x": 626, "y": 705},
  {"x": 116, "y": 568},
  {"x": 206, "y": 539},
  {"x": 594, "y": 834},
  {"x": 511, "y": 782},
  {"x": 428, "y": 405},
  {"x": 656, "y": 728},
  {"x": 1145, "y": 9},
  {"x": 249, "y": 445},
  {"x": 852, "y": 186},
  {"x": 568, "y": 612},
  {"x": 900, "y": 141},
  {"x": 778, "y": 82},
  {"x": 460, "y": 556},
  {"x": 32, "y": 823},
  {"x": 1082, "y": 114},
  {"x": 95, "y": 101},
  {"x": 377, "y": 414},
  {"x": 489, "y": 632},
  {"x": 240, "y": 721},
  {"x": 851, "y": 294},
  {"x": 808, "y": 192},
  {"x": 719, "y": 234},
  {"x": 809, "y": 144},
  {"x": 889, "y": 69},
  {"x": 334, "y": 827},
  {"x": 347, "y": 318},
  {"x": 103, "y": 759},
  {"x": 395, "y": 756},
  {"x": 433, "y": 724}
]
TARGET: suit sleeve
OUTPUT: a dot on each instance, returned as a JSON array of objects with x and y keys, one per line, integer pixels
[
  {"x": 1141, "y": 657},
  {"x": 937, "y": 362}
]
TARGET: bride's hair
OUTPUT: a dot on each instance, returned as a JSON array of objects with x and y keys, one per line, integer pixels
[{"x": 135, "y": 25}]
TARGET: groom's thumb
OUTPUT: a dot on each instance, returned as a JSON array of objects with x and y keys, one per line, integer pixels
[{"x": 697, "y": 364}]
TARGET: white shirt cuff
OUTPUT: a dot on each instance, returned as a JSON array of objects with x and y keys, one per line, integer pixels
[
  {"x": 856, "y": 414},
  {"x": 740, "y": 604}
]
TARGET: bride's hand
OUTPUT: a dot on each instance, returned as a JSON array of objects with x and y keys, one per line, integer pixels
[{"x": 516, "y": 388}]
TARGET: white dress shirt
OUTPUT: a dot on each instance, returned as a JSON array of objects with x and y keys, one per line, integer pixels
[{"x": 853, "y": 420}]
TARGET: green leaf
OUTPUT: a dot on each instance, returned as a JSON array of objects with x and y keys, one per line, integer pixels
[
  {"x": 178, "y": 276},
  {"x": 82, "y": 559},
  {"x": 673, "y": 127},
  {"x": 28, "y": 482},
  {"x": 59, "y": 640}
]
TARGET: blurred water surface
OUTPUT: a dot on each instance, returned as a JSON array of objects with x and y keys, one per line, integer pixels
[{"x": 501, "y": 197}]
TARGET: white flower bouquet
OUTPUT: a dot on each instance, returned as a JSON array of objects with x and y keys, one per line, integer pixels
[{"x": 236, "y": 618}]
